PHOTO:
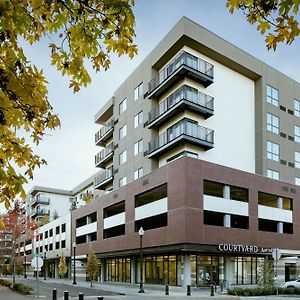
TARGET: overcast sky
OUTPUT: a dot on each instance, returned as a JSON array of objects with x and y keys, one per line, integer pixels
[{"x": 70, "y": 150}]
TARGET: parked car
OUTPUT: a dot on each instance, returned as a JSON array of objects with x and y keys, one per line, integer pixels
[{"x": 292, "y": 284}]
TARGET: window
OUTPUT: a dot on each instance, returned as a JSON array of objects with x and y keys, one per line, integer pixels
[
  {"x": 272, "y": 95},
  {"x": 273, "y": 174},
  {"x": 51, "y": 232},
  {"x": 138, "y": 173},
  {"x": 297, "y": 108},
  {"x": 46, "y": 234},
  {"x": 122, "y": 106},
  {"x": 63, "y": 244},
  {"x": 123, "y": 131},
  {"x": 272, "y": 123},
  {"x": 122, "y": 157},
  {"x": 138, "y": 147},
  {"x": 138, "y": 91},
  {"x": 63, "y": 227},
  {"x": 57, "y": 245},
  {"x": 122, "y": 181},
  {"x": 297, "y": 159},
  {"x": 183, "y": 154},
  {"x": 297, "y": 134},
  {"x": 138, "y": 119},
  {"x": 297, "y": 180},
  {"x": 57, "y": 230},
  {"x": 273, "y": 151},
  {"x": 50, "y": 247}
]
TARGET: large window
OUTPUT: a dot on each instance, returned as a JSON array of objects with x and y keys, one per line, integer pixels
[
  {"x": 297, "y": 159},
  {"x": 297, "y": 108},
  {"x": 123, "y": 131},
  {"x": 138, "y": 91},
  {"x": 273, "y": 174},
  {"x": 273, "y": 151},
  {"x": 272, "y": 123},
  {"x": 272, "y": 95},
  {"x": 297, "y": 134},
  {"x": 117, "y": 269},
  {"x": 138, "y": 119},
  {"x": 138, "y": 147},
  {"x": 122, "y": 181},
  {"x": 122, "y": 157},
  {"x": 122, "y": 106}
]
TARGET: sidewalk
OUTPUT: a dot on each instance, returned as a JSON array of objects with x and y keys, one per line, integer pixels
[{"x": 7, "y": 294}]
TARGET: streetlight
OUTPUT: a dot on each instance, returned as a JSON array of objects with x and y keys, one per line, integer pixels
[
  {"x": 45, "y": 265},
  {"x": 141, "y": 234},
  {"x": 74, "y": 270},
  {"x": 25, "y": 275}
]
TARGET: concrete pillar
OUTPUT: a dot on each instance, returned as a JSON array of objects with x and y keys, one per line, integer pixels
[
  {"x": 227, "y": 220},
  {"x": 186, "y": 274},
  {"x": 133, "y": 270},
  {"x": 279, "y": 202},
  {"x": 226, "y": 192},
  {"x": 56, "y": 268},
  {"x": 102, "y": 271},
  {"x": 229, "y": 270},
  {"x": 280, "y": 227}
]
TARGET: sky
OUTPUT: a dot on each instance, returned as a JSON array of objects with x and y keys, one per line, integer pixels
[{"x": 70, "y": 151}]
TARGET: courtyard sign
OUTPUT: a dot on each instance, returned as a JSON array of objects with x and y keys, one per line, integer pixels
[{"x": 241, "y": 248}]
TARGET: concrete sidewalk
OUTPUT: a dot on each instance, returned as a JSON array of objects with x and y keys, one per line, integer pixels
[{"x": 7, "y": 294}]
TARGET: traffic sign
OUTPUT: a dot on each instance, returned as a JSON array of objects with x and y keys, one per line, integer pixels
[
  {"x": 276, "y": 254},
  {"x": 37, "y": 262}
]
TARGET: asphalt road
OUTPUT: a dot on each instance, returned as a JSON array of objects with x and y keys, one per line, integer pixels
[{"x": 45, "y": 289}]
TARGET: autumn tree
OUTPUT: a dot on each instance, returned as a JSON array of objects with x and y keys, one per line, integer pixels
[
  {"x": 62, "y": 266},
  {"x": 19, "y": 266},
  {"x": 78, "y": 32},
  {"x": 92, "y": 266},
  {"x": 276, "y": 19}
]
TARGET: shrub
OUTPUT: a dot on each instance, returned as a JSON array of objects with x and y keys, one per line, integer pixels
[
  {"x": 6, "y": 283},
  {"x": 22, "y": 288},
  {"x": 259, "y": 291}
]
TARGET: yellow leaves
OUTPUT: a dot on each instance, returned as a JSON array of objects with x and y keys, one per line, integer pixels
[
  {"x": 2, "y": 224},
  {"x": 75, "y": 85},
  {"x": 275, "y": 19}
]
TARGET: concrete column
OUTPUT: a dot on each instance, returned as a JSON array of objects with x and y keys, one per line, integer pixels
[
  {"x": 102, "y": 271},
  {"x": 280, "y": 227},
  {"x": 229, "y": 270},
  {"x": 186, "y": 274},
  {"x": 132, "y": 270},
  {"x": 279, "y": 202},
  {"x": 226, "y": 192},
  {"x": 56, "y": 268},
  {"x": 227, "y": 220}
]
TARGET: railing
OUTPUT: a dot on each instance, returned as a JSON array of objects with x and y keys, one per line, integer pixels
[
  {"x": 183, "y": 93},
  {"x": 40, "y": 212},
  {"x": 104, "y": 153},
  {"x": 40, "y": 198},
  {"x": 109, "y": 125},
  {"x": 184, "y": 58},
  {"x": 183, "y": 127},
  {"x": 104, "y": 176}
]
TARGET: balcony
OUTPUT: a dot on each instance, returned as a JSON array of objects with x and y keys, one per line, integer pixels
[
  {"x": 183, "y": 65},
  {"x": 185, "y": 131},
  {"x": 185, "y": 97},
  {"x": 104, "y": 133},
  {"x": 104, "y": 156},
  {"x": 102, "y": 180},
  {"x": 39, "y": 212},
  {"x": 40, "y": 199}
]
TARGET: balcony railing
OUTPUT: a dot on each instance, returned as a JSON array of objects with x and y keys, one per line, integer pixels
[
  {"x": 185, "y": 95},
  {"x": 40, "y": 212},
  {"x": 204, "y": 70},
  {"x": 104, "y": 132},
  {"x": 103, "y": 156},
  {"x": 183, "y": 131},
  {"x": 40, "y": 199},
  {"x": 104, "y": 178}
]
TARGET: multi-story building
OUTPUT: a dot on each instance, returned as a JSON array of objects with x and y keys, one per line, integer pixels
[{"x": 214, "y": 215}]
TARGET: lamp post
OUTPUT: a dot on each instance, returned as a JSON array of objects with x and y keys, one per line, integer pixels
[
  {"x": 25, "y": 275},
  {"x": 45, "y": 266},
  {"x": 141, "y": 234},
  {"x": 74, "y": 270}
]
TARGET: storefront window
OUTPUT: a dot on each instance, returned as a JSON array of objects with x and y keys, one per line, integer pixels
[
  {"x": 161, "y": 269},
  {"x": 118, "y": 269}
]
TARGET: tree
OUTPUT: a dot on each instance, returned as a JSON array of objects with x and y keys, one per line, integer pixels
[
  {"x": 92, "y": 266},
  {"x": 79, "y": 32},
  {"x": 19, "y": 267},
  {"x": 87, "y": 198},
  {"x": 274, "y": 18},
  {"x": 55, "y": 215},
  {"x": 62, "y": 266},
  {"x": 266, "y": 275},
  {"x": 73, "y": 204}
]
